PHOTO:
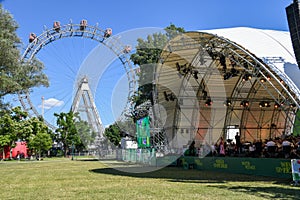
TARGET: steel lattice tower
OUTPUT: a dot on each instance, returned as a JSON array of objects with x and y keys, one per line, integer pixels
[{"x": 84, "y": 104}]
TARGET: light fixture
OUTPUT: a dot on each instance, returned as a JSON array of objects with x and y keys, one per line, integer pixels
[
  {"x": 292, "y": 105},
  {"x": 276, "y": 105},
  {"x": 227, "y": 103},
  {"x": 264, "y": 104},
  {"x": 247, "y": 77},
  {"x": 244, "y": 103},
  {"x": 208, "y": 102}
]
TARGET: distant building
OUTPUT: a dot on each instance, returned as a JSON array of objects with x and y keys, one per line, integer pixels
[{"x": 293, "y": 17}]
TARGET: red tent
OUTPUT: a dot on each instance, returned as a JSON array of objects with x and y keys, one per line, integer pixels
[{"x": 19, "y": 149}]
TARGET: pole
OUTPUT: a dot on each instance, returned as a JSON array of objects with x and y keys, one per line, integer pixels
[
  {"x": 43, "y": 101},
  {"x": 72, "y": 150}
]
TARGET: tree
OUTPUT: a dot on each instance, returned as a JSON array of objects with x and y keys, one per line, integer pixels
[
  {"x": 113, "y": 133},
  {"x": 87, "y": 135},
  {"x": 5, "y": 140},
  {"x": 15, "y": 75},
  {"x": 67, "y": 133},
  {"x": 146, "y": 56},
  {"x": 39, "y": 142},
  {"x": 40, "y": 137},
  {"x": 13, "y": 126}
]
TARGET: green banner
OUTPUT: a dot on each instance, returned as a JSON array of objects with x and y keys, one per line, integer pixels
[
  {"x": 280, "y": 168},
  {"x": 143, "y": 132}
]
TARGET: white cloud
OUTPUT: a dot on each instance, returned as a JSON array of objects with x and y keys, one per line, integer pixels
[{"x": 50, "y": 103}]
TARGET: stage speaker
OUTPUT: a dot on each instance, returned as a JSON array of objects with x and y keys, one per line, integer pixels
[{"x": 293, "y": 17}]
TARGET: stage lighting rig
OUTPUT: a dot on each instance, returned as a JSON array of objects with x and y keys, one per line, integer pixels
[
  {"x": 186, "y": 69},
  {"x": 244, "y": 103},
  {"x": 292, "y": 105},
  {"x": 247, "y": 77},
  {"x": 277, "y": 105},
  {"x": 264, "y": 104},
  {"x": 228, "y": 103},
  {"x": 169, "y": 96},
  {"x": 208, "y": 102}
]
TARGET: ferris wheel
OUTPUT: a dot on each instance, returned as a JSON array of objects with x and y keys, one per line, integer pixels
[{"x": 53, "y": 46}]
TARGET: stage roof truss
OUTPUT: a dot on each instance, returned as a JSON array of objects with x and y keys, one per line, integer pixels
[{"x": 204, "y": 53}]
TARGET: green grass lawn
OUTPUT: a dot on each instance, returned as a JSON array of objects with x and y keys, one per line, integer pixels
[{"x": 90, "y": 179}]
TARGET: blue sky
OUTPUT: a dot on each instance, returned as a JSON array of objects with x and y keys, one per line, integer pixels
[{"x": 121, "y": 16}]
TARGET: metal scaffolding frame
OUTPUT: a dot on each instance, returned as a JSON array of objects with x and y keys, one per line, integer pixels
[{"x": 213, "y": 57}]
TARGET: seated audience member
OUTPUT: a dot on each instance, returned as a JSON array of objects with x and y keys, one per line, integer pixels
[
  {"x": 252, "y": 149},
  {"x": 192, "y": 149},
  {"x": 286, "y": 148},
  {"x": 258, "y": 148},
  {"x": 271, "y": 148},
  {"x": 222, "y": 147},
  {"x": 214, "y": 151}
]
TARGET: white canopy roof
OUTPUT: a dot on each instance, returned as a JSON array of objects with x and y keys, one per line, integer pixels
[{"x": 263, "y": 43}]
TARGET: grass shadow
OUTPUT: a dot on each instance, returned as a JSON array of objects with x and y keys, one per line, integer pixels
[
  {"x": 170, "y": 173},
  {"x": 273, "y": 192},
  {"x": 176, "y": 174},
  {"x": 86, "y": 159},
  {"x": 262, "y": 187}
]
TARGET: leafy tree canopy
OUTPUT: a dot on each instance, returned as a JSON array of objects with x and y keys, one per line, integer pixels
[
  {"x": 15, "y": 76},
  {"x": 113, "y": 133},
  {"x": 72, "y": 132},
  {"x": 86, "y": 134},
  {"x": 147, "y": 55},
  {"x": 40, "y": 138},
  {"x": 15, "y": 125}
]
